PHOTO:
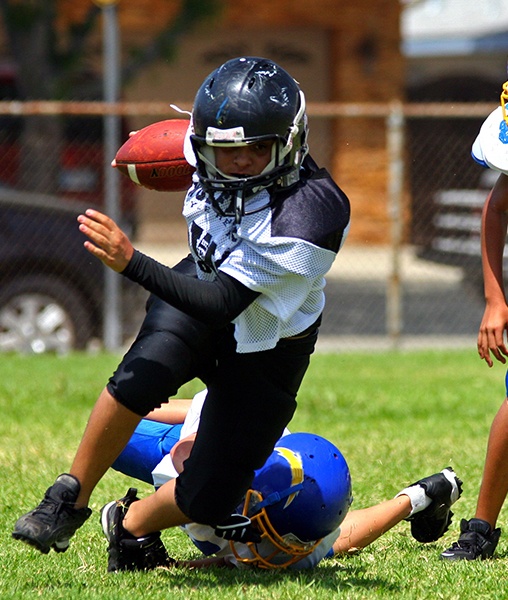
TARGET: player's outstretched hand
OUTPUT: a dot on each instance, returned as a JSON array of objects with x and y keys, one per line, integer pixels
[
  {"x": 107, "y": 241},
  {"x": 491, "y": 336}
]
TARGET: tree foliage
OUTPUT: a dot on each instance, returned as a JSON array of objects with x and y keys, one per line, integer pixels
[{"x": 51, "y": 68}]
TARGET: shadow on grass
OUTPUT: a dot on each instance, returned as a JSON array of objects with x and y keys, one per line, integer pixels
[{"x": 336, "y": 577}]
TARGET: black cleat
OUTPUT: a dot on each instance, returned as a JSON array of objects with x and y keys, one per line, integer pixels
[
  {"x": 477, "y": 540},
  {"x": 126, "y": 552},
  {"x": 55, "y": 520},
  {"x": 444, "y": 489}
]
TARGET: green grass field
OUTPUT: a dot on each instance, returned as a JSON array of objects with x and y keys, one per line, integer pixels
[{"x": 395, "y": 416}]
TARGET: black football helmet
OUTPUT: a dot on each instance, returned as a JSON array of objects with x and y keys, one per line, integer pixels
[{"x": 246, "y": 101}]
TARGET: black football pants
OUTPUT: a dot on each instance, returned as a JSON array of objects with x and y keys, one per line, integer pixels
[{"x": 251, "y": 398}]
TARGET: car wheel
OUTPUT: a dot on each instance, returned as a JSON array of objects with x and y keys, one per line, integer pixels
[{"x": 41, "y": 313}]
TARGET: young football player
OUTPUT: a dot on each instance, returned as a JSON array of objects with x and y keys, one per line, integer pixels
[
  {"x": 298, "y": 502},
  {"x": 241, "y": 313},
  {"x": 479, "y": 536}
]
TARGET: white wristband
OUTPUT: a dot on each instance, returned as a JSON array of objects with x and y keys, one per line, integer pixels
[{"x": 416, "y": 494}]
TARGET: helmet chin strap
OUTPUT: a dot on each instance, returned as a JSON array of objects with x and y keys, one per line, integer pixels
[
  {"x": 275, "y": 497},
  {"x": 295, "y": 125},
  {"x": 239, "y": 202}
]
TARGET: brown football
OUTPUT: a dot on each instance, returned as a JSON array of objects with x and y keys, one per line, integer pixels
[{"x": 153, "y": 157}]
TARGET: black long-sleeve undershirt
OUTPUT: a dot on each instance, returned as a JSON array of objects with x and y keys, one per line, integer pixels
[{"x": 215, "y": 303}]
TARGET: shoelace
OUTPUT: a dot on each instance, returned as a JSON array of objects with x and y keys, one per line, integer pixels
[
  {"x": 48, "y": 508},
  {"x": 462, "y": 545},
  {"x": 467, "y": 541}
]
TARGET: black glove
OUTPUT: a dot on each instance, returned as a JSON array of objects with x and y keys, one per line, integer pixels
[{"x": 238, "y": 528}]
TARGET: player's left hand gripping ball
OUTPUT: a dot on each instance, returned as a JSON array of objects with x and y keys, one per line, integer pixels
[{"x": 154, "y": 158}]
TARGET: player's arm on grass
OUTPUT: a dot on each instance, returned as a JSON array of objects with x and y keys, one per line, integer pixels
[{"x": 491, "y": 336}]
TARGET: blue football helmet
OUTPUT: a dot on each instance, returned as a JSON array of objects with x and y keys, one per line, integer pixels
[
  {"x": 246, "y": 101},
  {"x": 300, "y": 495}
]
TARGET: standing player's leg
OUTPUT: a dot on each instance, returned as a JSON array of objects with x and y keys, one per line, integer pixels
[
  {"x": 251, "y": 398},
  {"x": 478, "y": 536},
  {"x": 170, "y": 349}
]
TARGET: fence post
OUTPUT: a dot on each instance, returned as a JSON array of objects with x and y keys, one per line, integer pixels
[
  {"x": 112, "y": 285},
  {"x": 395, "y": 145}
]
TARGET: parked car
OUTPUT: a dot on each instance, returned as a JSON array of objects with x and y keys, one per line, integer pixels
[
  {"x": 75, "y": 148},
  {"x": 51, "y": 288}
]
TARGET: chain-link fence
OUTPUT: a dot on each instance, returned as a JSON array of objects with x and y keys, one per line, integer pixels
[
  {"x": 422, "y": 287},
  {"x": 425, "y": 288}
]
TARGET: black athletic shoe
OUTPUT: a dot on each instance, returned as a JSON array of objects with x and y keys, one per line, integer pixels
[
  {"x": 477, "y": 540},
  {"x": 55, "y": 520},
  {"x": 431, "y": 523},
  {"x": 126, "y": 552}
]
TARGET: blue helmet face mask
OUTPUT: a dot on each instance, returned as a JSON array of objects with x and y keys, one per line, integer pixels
[
  {"x": 300, "y": 495},
  {"x": 246, "y": 101}
]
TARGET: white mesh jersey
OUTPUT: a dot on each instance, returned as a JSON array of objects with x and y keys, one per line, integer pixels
[
  {"x": 203, "y": 536},
  {"x": 282, "y": 252}
]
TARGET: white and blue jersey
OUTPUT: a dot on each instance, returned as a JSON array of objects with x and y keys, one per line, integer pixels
[{"x": 490, "y": 148}]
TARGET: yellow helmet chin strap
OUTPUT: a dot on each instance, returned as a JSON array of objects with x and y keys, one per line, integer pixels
[
  {"x": 504, "y": 99},
  {"x": 284, "y": 551}
]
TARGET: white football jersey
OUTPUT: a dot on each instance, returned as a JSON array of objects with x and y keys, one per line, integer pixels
[{"x": 283, "y": 253}]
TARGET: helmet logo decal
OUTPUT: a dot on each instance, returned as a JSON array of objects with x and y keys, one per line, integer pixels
[
  {"x": 295, "y": 464},
  {"x": 221, "y": 115},
  {"x": 503, "y": 132},
  {"x": 503, "y": 127}
]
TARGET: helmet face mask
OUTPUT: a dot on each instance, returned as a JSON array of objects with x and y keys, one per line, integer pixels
[
  {"x": 289, "y": 546},
  {"x": 246, "y": 101},
  {"x": 300, "y": 496},
  {"x": 504, "y": 99},
  {"x": 218, "y": 181}
]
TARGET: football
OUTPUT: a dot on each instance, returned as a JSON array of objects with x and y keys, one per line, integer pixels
[{"x": 153, "y": 157}]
